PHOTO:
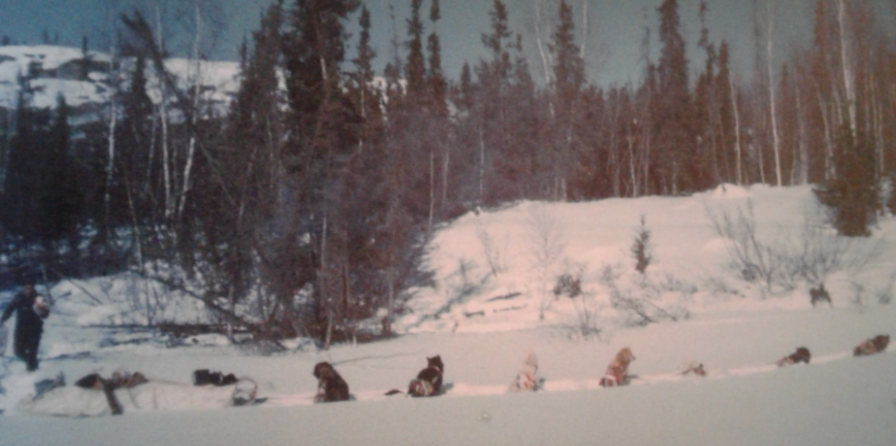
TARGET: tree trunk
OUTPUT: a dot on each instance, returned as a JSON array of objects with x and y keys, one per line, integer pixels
[
  {"x": 542, "y": 51},
  {"x": 776, "y": 143},
  {"x": 803, "y": 172},
  {"x": 847, "y": 71},
  {"x": 188, "y": 167}
]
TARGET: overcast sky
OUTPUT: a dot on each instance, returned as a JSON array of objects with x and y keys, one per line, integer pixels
[{"x": 615, "y": 27}]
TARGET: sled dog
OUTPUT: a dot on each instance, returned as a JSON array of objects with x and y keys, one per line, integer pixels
[
  {"x": 330, "y": 385},
  {"x": 617, "y": 371}
]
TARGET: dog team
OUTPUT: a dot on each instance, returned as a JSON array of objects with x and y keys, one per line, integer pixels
[
  {"x": 331, "y": 387},
  {"x": 96, "y": 395}
]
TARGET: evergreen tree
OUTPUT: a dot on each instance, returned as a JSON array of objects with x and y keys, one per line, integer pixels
[
  {"x": 60, "y": 200},
  {"x": 415, "y": 69},
  {"x": 497, "y": 70},
  {"x": 672, "y": 113},
  {"x": 568, "y": 80},
  {"x": 367, "y": 97},
  {"x": 135, "y": 161},
  {"x": 323, "y": 134},
  {"x": 243, "y": 220},
  {"x": 24, "y": 170},
  {"x": 569, "y": 68},
  {"x": 853, "y": 194},
  {"x": 727, "y": 151},
  {"x": 463, "y": 95},
  {"x": 489, "y": 123},
  {"x": 437, "y": 83},
  {"x": 705, "y": 109}
]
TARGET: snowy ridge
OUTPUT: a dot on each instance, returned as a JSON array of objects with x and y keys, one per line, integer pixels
[{"x": 58, "y": 71}]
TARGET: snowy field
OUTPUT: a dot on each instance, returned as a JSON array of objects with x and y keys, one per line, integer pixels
[{"x": 493, "y": 301}]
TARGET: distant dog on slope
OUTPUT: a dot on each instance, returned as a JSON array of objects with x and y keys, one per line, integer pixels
[
  {"x": 800, "y": 355},
  {"x": 527, "y": 378},
  {"x": 617, "y": 371},
  {"x": 871, "y": 346},
  {"x": 819, "y": 294},
  {"x": 330, "y": 386},
  {"x": 429, "y": 380}
]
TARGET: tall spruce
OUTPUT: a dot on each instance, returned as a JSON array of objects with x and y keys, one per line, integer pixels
[
  {"x": 61, "y": 200},
  {"x": 490, "y": 123},
  {"x": 323, "y": 133},
  {"x": 438, "y": 85},
  {"x": 853, "y": 194},
  {"x": 705, "y": 109},
  {"x": 415, "y": 69},
  {"x": 672, "y": 114},
  {"x": 568, "y": 80},
  {"x": 25, "y": 168},
  {"x": 367, "y": 97},
  {"x": 250, "y": 201}
]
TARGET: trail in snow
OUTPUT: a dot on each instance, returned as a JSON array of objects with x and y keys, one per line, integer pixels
[{"x": 559, "y": 385}]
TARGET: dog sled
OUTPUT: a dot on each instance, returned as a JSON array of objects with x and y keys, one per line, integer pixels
[{"x": 100, "y": 397}]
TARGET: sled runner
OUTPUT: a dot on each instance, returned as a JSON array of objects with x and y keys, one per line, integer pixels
[{"x": 4, "y": 335}]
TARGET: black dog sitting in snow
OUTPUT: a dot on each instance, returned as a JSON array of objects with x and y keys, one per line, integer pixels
[
  {"x": 429, "y": 380},
  {"x": 330, "y": 386}
]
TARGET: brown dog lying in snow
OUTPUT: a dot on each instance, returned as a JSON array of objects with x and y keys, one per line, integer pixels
[
  {"x": 800, "y": 355},
  {"x": 871, "y": 346}
]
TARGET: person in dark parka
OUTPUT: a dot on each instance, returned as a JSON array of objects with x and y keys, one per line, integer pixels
[{"x": 29, "y": 325}]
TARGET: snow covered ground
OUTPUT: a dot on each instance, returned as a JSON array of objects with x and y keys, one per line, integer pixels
[{"x": 493, "y": 302}]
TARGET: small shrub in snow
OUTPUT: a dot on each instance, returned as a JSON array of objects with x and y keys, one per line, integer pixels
[
  {"x": 641, "y": 249},
  {"x": 815, "y": 254},
  {"x": 753, "y": 259},
  {"x": 494, "y": 254},
  {"x": 782, "y": 263},
  {"x": 857, "y": 297},
  {"x": 643, "y": 301},
  {"x": 568, "y": 285},
  {"x": 885, "y": 293},
  {"x": 717, "y": 286},
  {"x": 586, "y": 321},
  {"x": 464, "y": 271},
  {"x": 545, "y": 235}
]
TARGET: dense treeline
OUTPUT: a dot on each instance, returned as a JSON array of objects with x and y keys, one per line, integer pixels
[{"x": 303, "y": 209}]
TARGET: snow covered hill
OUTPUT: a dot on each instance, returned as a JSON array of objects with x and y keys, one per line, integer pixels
[
  {"x": 493, "y": 301},
  {"x": 59, "y": 70},
  {"x": 500, "y": 269}
]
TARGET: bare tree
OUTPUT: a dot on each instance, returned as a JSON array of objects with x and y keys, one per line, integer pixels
[{"x": 769, "y": 61}]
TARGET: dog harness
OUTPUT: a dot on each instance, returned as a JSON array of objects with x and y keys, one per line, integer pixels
[
  {"x": 616, "y": 375},
  {"x": 421, "y": 387}
]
